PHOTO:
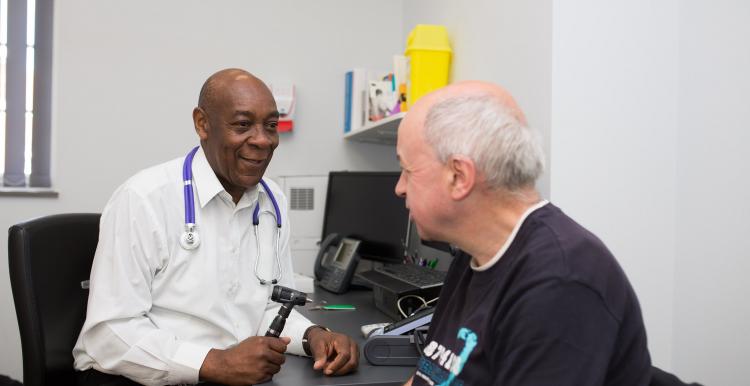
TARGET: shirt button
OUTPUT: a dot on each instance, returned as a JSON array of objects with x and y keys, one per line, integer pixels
[{"x": 232, "y": 289}]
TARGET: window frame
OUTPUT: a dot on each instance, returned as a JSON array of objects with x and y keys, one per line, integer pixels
[{"x": 19, "y": 105}]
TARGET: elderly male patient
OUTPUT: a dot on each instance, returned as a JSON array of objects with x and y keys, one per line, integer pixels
[
  {"x": 175, "y": 303},
  {"x": 533, "y": 298}
]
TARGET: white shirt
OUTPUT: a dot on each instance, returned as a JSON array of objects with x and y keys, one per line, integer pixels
[{"x": 156, "y": 309}]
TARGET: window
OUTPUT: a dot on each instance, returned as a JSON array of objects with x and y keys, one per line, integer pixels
[{"x": 25, "y": 92}]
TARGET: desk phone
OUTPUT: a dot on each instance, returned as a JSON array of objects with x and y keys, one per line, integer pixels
[{"x": 336, "y": 262}]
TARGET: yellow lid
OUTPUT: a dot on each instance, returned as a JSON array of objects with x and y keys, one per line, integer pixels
[{"x": 428, "y": 37}]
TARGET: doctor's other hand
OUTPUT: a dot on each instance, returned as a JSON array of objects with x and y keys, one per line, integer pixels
[
  {"x": 334, "y": 353},
  {"x": 254, "y": 360}
]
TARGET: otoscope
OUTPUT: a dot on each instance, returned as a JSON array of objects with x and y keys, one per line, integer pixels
[{"x": 288, "y": 299}]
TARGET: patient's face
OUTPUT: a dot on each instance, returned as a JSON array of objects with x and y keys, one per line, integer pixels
[{"x": 424, "y": 180}]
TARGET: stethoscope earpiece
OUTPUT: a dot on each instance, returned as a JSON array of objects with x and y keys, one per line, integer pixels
[{"x": 190, "y": 239}]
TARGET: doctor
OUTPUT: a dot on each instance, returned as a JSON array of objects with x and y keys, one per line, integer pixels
[{"x": 182, "y": 277}]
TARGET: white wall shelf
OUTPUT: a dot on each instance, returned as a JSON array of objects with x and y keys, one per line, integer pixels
[{"x": 381, "y": 132}]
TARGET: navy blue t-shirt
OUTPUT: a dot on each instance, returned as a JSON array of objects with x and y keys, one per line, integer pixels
[{"x": 556, "y": 309}]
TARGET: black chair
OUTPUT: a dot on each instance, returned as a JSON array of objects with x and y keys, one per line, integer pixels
[{"x": 49, "y": 258}]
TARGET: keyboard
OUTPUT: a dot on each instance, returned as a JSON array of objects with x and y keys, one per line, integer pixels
[{"x": 416, "y": 275}]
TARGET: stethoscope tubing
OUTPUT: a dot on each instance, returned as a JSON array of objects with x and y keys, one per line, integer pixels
[
  {"x": 187, "y": 179},
  {"x": 256, "y": 212},
  {"x": 189, "y": 199}
]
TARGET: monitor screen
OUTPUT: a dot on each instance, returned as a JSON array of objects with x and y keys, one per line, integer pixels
[
  {"x": 363, "y": 205},
  {"x": 428, "y": 250}
]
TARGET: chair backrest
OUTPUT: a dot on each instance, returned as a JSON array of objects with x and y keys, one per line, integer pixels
[{"x": 49, "y": 257}]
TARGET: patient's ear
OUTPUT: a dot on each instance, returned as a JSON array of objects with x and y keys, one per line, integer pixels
[{"x": 464, "y": 176}]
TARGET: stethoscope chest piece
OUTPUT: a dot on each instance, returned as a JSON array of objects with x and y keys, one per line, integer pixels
[{"x": 190, "y": 240}]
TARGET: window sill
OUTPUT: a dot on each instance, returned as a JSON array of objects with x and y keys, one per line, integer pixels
[{"x": 28, "y": 192}]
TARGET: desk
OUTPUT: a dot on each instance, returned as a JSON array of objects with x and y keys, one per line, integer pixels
[{"x": 298, "y": 371}]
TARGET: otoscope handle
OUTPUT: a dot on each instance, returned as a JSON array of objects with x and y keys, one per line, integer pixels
[{"x": 276, "y": 326}]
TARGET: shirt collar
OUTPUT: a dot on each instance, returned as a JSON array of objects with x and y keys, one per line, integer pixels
[
  {"x": 208, "y": 185},
  {"x": 510, "y": 239}
]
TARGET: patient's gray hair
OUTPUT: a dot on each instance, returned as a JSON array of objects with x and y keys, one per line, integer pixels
[{"x": 508, "y": 153}]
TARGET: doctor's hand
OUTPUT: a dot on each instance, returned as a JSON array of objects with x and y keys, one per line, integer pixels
[
  {"x": 334, "y": 353},
  {"x": 254, "y": 360}
]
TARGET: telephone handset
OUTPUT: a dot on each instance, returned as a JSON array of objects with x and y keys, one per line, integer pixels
[
  {"x": 327, "y": 248},
  {"x": 336, "y": 262}
]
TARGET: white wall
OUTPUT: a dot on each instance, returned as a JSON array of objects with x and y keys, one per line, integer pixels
[
  {"x": 712, "y": 312},
  {"x": 614, "y": 121},
  {"x": 649, "y": 129},
  {"x": 506, "y": 42},
  {"x": 127, "y": 75}
]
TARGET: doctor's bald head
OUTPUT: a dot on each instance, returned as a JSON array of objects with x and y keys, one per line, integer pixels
[{"x": 236, "y": 120}]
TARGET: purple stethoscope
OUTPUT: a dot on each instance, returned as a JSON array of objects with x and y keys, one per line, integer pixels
[{"x": 191, "y": 240}]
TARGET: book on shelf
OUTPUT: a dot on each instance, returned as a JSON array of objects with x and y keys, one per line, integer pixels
[
  {"x": 400, "y": 75},
  {"x": 369, "y": 96},
  {"x": 355, "y": 99},
  {"x": 381, "y": 98}
]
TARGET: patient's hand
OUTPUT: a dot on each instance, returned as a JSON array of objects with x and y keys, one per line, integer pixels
[{"x": 334, "y": 353}]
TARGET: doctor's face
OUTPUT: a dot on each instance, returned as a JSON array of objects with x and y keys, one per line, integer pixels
[{"x": 238, "y": 131}]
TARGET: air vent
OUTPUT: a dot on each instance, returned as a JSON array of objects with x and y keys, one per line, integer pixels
[{"x": 302, "y": 198}]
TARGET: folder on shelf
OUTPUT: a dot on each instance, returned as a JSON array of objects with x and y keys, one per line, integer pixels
[
  {"x": 348, "y": 102},
  {"x": 355, "y": 99}
]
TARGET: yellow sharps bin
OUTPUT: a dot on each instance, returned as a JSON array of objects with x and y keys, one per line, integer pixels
[{"x": 429, "y": 54}]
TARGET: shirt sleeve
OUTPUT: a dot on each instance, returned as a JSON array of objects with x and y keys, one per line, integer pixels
[
  {"x": 558, "y": 332},
  {"x": 296, "y": 323},
  {"x": 118, "y": 337}
]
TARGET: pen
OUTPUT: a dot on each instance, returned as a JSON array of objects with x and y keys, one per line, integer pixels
[{"x": 334, "y": 307}]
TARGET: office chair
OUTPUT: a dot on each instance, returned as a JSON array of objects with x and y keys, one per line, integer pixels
[{"x": 49, "y": 258}]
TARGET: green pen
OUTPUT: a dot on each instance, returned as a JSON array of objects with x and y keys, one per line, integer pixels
[{"x": 339, "y": 307}]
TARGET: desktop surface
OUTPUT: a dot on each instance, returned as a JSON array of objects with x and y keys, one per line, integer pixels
[{"x": 298, "y": 370}]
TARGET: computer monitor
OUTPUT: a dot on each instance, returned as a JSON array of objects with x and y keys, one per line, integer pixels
[{"x": 363, "y": 205}]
